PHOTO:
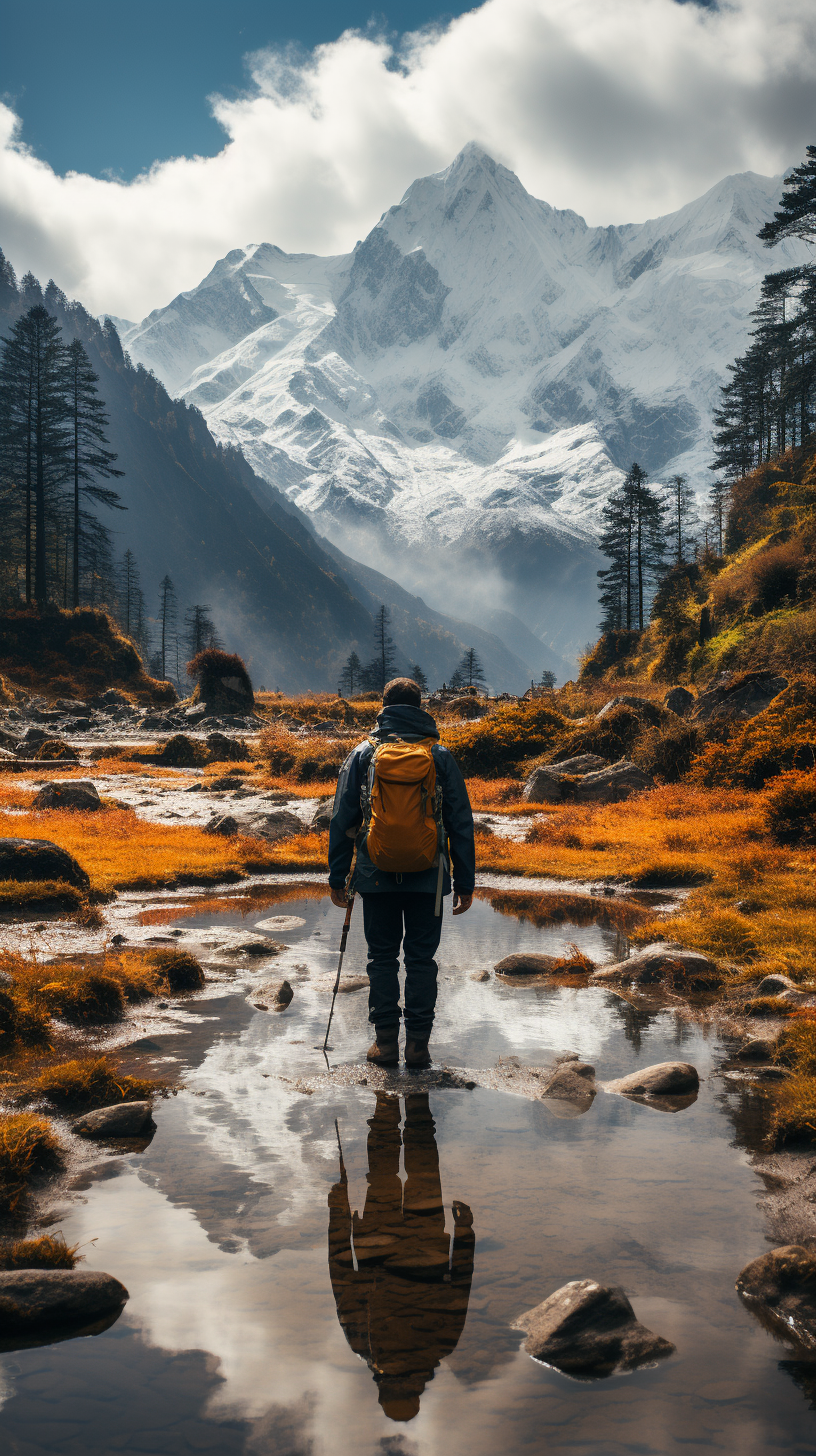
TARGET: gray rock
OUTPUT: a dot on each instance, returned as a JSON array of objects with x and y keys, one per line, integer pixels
[
  {"x": 756, "y": 1049},
  {"x": 526, "y": 964},
  {"x": 38, "y": 859},
  {"x": 280, "y": 824},
  {"x": 657, "y": 962},
  {"x": 736, "y": 698},
  {"x": 650, "y": 710},
  {"x": 353, "y": 983},
  {"x": 546, "y": 784},
  {"x": 609, "y": 785},
  {"x": 222, "y": 824},
  {"x": 776, "y": 985},
  {"x": 572, "y": 1081},
  {"x": 679, "y": 701},
  {"x": 123, "y": 1120},
  {"x": 480, "y": 976},
  {"x": 782, "y": 1286},
  {"x": 278, "y": 993},
  {"x": 31, "y": 1299},
  {"x": 321, "y": 819},
  {"x": 223, "y": 749},
  {"x": 667, "y": 1079},
  {"x": 586, "y": 1328},
  {"x": 79, "y": 794}
]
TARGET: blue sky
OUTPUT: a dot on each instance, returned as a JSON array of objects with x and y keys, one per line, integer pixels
[{"x": 105, "y": 86}]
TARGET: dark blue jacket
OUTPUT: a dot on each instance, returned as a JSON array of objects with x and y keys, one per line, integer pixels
[{"x": 457, "y": 817}]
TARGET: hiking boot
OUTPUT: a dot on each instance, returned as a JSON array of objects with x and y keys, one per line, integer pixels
[
  {"x": 384, "y": 1052},
  {"x": 417, "y": 1054}
]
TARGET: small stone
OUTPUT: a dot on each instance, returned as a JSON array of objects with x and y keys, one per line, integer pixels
[
  {"x": 223, "y": 824},
  {"x": 124, "y": 1119},
  {"x": 480, "y": 976},
  {"x": 354, "y": 983},
  {"x": 679, "y": 700},
  {"x": 39, "y": 859},
  {"x": 586, "y": 1328},
  {"x": 525, "y": 964},
  {"x": 756, "y": 1049},
  {"x": 321, "y": 819},
  {"x": 667, "y": 1079},
  {"x": 776, "y": 985},
  {"x": 572, "y": 1081},
  {"x": 279, "y": 993}
]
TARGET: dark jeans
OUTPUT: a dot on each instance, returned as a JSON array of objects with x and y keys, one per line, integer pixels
[{"x": 391, "y": 919}]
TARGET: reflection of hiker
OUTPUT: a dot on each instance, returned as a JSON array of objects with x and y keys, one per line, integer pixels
[
  {"x": 402, "y": 794},
  {"x": 404, "y": 1307}
]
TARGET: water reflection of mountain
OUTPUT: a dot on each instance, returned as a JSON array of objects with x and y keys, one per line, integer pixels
[{"x": 400, "y": 1282}]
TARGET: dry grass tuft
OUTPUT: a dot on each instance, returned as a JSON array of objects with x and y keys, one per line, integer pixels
[
  {"x": 177, "y": 969},
  {"x": 27, "y": 1147},
  {"x": 48, "y": 1252},
  {"x": 768, "y": 1006},
  {"x": 794, "y": 1112},
  {"x": 84, "y": 1083},
  {"x": 497, "y": 744},
  {"x": 791, "y": 809}
]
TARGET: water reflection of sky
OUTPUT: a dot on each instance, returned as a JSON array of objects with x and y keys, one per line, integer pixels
[{"x": 231, "y": 1341}]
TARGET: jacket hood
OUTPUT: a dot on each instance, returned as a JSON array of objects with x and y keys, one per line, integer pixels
[{"x": 406, "y": 721}]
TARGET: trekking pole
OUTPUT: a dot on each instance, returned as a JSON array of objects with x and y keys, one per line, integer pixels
[{"x": 343, "y": 938}]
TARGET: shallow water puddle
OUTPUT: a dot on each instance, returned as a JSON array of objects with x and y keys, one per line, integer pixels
[{"x": 263, "y": 1319}]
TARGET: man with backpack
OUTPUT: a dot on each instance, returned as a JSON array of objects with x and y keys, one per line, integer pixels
[{"x": 402, "y": 800}]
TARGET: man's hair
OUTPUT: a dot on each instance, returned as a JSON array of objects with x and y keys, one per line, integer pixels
[{"x": 402, "y": 690}]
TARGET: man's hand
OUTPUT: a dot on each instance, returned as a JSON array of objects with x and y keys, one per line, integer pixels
[
  {"x": 338, "y": 898},
  {"x": 461, "y": 903}
]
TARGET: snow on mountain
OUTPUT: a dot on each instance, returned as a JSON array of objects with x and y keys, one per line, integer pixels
[{"x": 453, "y": 401}]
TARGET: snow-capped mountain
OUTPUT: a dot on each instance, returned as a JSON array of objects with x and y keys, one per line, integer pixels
[{"x": 453, "y": 401}]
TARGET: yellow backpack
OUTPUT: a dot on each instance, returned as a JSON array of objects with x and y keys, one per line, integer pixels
[{"x": 402, "y": 807}]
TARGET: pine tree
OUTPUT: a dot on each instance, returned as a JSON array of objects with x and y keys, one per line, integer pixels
[
  {"x": 167, "y": 622},
  {"x": 681, "y": 519},
  {"x": 718, "y": 509},
  {"x": 8, "y": 284},
  {"x": 470, "y": 669},
  {"x": 33, "y": 438},
  {"x": 351, "y": 676},
  {"x": 796, "y": 215},
  {"x": 456, "y": 682},
  {"x": 129, "y": 591},
  {"x": 385, "y": 651},
  {"x": 90, "y": 457},
  {"x": 419, "y": 678},
  {"x": 548, "y": 680},
  {"x": 632, "y": 540},
  {"x": 199, "y": 630}
]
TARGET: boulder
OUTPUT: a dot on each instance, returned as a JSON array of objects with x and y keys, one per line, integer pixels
[
  {"x": 55, "y": 750},
  {"x": 280, "y": 824},
  {"x": 223, "y": 749},
  {"x": 782, "y": 1286},
  {"x": 650, "y": 710},
  {"x": 353, "y": 983},
  {"x": 609, "y": 785},
  {"x": 586, "y": 1328},
  {"x": 526, "y": 964},
  {"x": 545, "y": 784},
  {"x": 735, "y": 698},
  {"x": 79, "y": 794},
  {"x": 39, "y": 859},
  {"x": 756, "y": 1049},
  {"x": 666, "y": 1079},
  {"x": 776, "y": 985},
  {"x": 222, "y": 824},
  {"x": 123, "y": 1120},
  {"x": 277, "y": 993},
  {"x": 573, "y": 1081},
  {"x": 31, "y": 1299},
  {"x": 180, "y": 752},
  {"x": 321, "y": 819},
  {"x": 662, "y": 960},
  {"x": 679, "y": 701}
]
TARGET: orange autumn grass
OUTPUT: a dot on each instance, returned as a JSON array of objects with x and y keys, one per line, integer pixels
[{"x": 120, "y": 851}]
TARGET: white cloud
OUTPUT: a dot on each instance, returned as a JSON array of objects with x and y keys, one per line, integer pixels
[{"x": 620, "y": 110}]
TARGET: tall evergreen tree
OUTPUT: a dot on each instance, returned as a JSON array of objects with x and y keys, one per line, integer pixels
[
  {"x": 33, "y": 437},
  {"x": 632, "y": 540},
  {"x": 419, "y": 678},
  {"x": 167, "y": 614},
  {"x": 381, "y": 666},
  {"x": 90, "y": 457},
  {"x": 795, "y": 216},
  {"x": 199, "y": 629},
  {"x": 351, "y": 676},
  {"x": 471, "y": 670},
  {"x": 681, "y": 520},
  {"x": 718, "y": 509},
  {"x": 548, "y": 680}
]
